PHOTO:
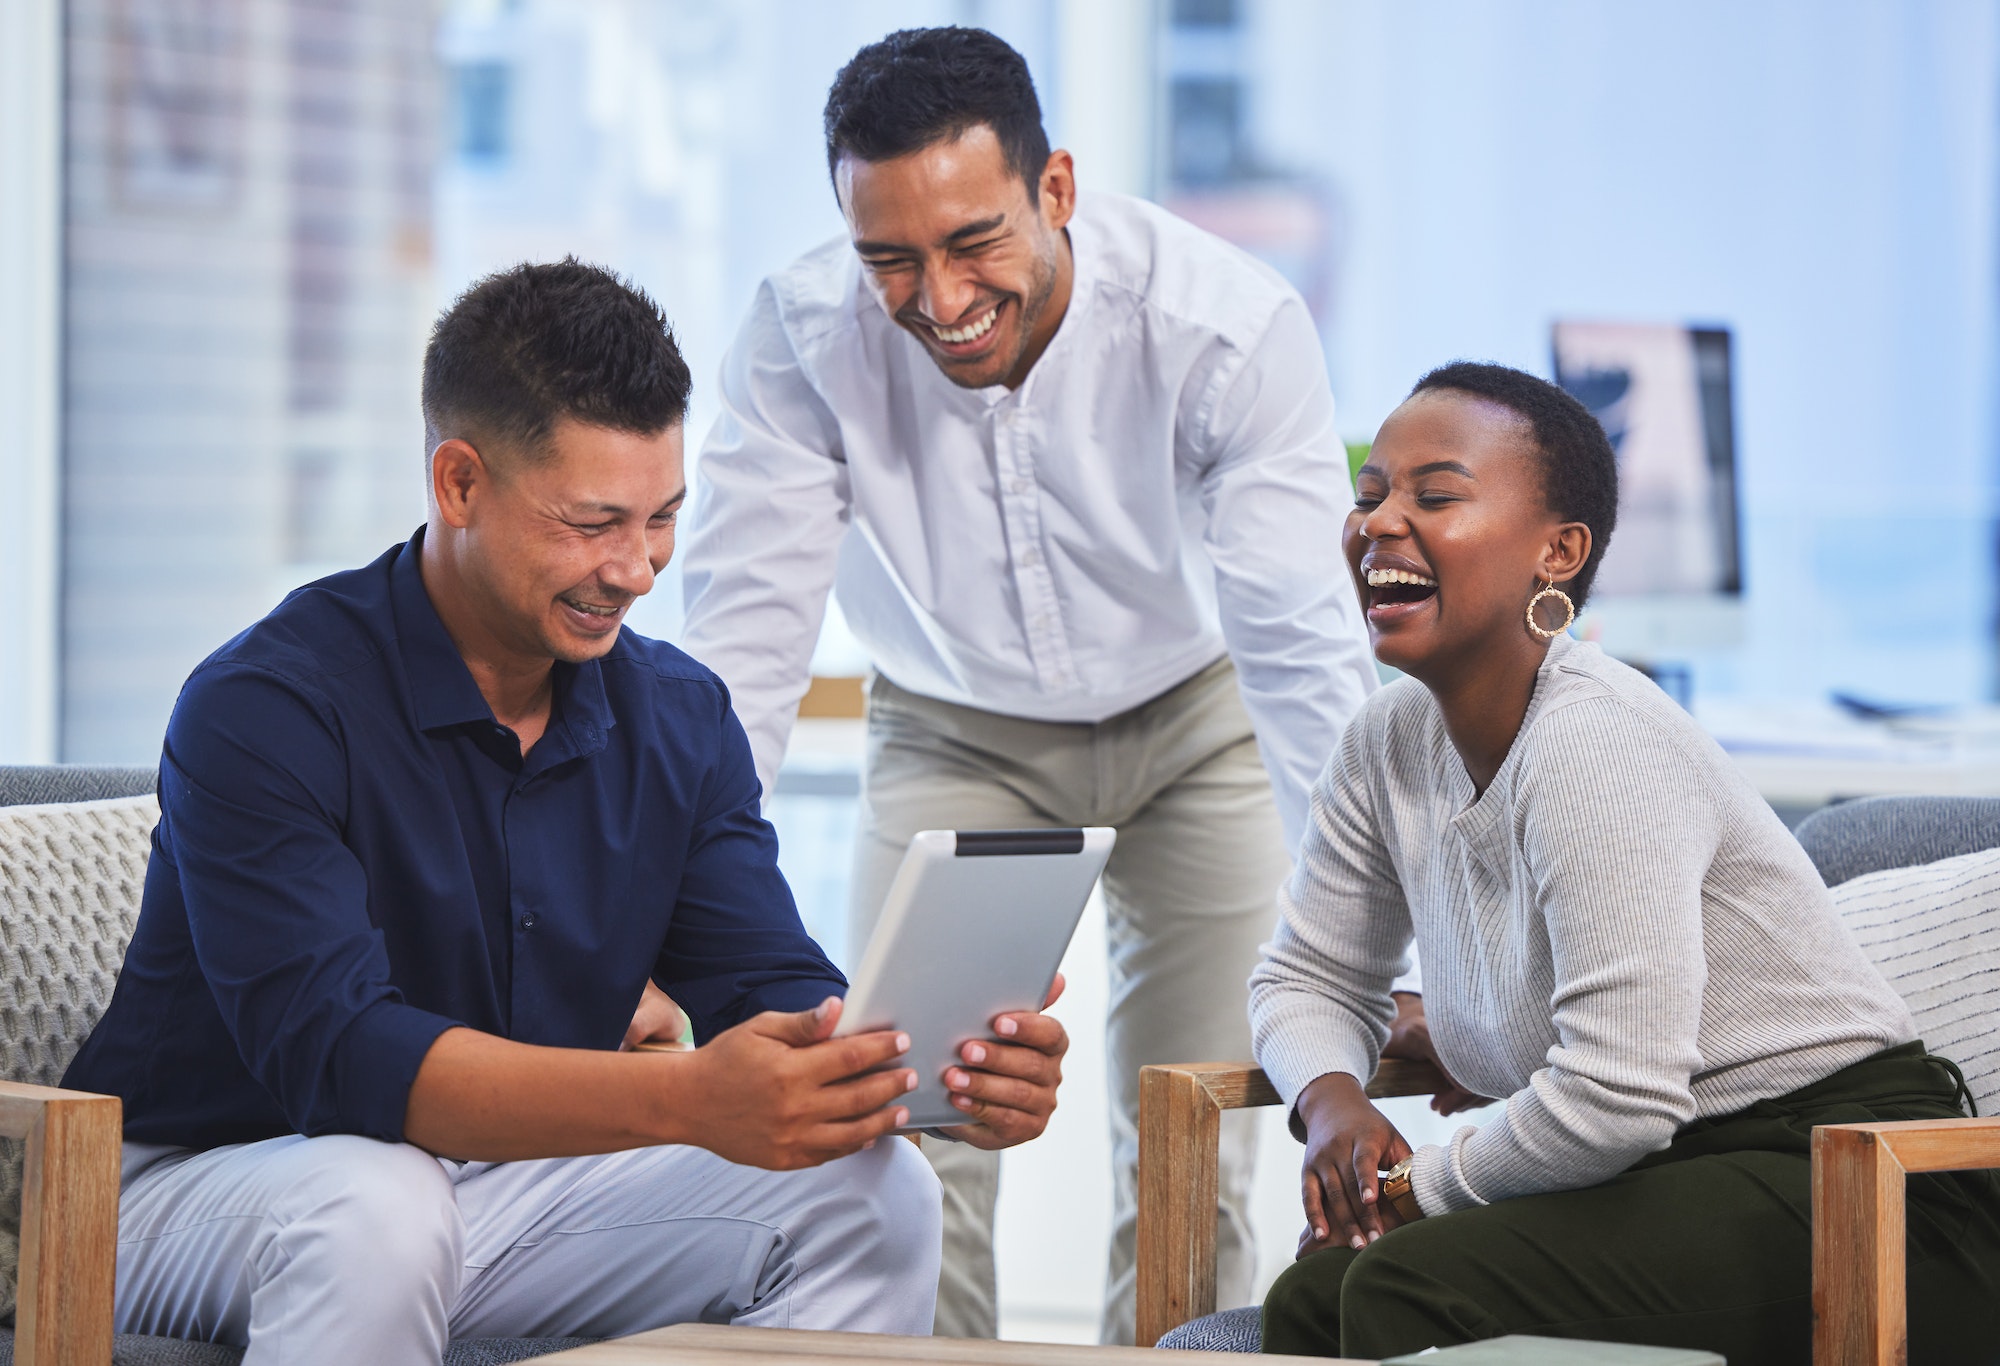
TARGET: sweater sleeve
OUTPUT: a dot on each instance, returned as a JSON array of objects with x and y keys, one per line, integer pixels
[
  {"x": 1617, "y": 829},
  {"x": 1319, "y": 1000}
]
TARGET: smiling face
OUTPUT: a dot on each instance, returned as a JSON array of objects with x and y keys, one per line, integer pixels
[
  {"x": 551, "y": 552},
  {"x": 1451, "y": 534},
  {"x": 956, "y": 254}
]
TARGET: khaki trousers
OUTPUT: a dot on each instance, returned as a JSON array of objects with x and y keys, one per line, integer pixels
[{"x": 1190, "y": 894}]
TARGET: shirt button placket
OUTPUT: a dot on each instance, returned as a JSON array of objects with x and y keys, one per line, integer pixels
[{"x": 1042, "y": 615}]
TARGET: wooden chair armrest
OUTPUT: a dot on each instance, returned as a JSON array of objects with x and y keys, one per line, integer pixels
[
  {"x": 1860, "y": 1317},
  {"x": 1180, "y": 1133},
  {"x": 69, "y": 1222}
]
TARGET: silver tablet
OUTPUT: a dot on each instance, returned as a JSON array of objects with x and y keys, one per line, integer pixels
[{"x": 975, "y": 925}]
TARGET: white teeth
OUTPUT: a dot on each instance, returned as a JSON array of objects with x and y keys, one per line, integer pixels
[
  {"x": 591, "y": 608},
  {"x": 1378, "y": 577},
  {"x": 972, "y": 331}
]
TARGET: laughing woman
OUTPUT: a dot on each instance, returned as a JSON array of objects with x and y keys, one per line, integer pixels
[{"x": 1617, "y": 935}]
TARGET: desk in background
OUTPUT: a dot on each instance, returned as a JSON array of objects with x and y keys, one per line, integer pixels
[{"x": 1805, "y": 756}]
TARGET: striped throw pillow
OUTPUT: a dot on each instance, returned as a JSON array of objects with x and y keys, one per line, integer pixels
[{"x": 1934, "y": 931}]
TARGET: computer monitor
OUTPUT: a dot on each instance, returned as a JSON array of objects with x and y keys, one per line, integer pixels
[{"x": 1672, "y": 581}]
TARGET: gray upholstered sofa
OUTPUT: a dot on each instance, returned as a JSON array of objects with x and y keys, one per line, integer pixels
[
  {"x": 73, "y": 847},
  {"x": 1948, "y": 971}
]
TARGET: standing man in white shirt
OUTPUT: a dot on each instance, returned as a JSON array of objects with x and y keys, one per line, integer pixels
[{"x": 1071, "y": 465}]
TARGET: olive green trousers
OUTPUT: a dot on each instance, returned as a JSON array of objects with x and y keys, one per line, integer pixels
[{"x": 1706, "y": 1244}]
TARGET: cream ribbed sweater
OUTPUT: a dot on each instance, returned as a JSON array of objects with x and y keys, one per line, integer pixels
[{"x": 1618, "y": 934}]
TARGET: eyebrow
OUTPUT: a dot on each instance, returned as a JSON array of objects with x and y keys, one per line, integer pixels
[
  {"x": 1443, "y": 467},
  {"x": 978, "y": 229}
]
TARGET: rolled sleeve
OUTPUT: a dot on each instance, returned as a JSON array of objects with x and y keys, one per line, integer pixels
[
  {"x": 736, "y": 946},
  {"x": 277, "y": 905}
]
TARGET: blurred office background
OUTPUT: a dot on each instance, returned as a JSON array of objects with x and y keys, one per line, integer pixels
[{"x": 225, "y": 224}]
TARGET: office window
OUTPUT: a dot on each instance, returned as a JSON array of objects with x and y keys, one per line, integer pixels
[
  {"x": 248, "y": 225},
  {"x": 482, "y": 100}
]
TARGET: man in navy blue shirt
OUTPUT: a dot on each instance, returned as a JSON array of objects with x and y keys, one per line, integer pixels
[{"x": 430, "y": 834}]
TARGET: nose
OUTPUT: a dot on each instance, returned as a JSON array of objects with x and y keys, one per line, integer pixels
[
  {"x": 948, "y": 291},
  {"x": 1385, "y": 519},
  {"x": 629, "y": 568}
]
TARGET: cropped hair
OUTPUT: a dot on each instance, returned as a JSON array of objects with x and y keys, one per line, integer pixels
[
  {"x": 921, "y": 86},
  {"x": 526, "y": 347},
  {"x": 1579, "y": 468}
]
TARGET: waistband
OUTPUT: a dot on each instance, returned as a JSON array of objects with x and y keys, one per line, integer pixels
[{"x": 1900, "y": 1083}]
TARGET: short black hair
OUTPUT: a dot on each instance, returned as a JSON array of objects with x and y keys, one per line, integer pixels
[
  {"x": 920, "y": 86},
  {"x": 1579, "y": 468},
  {"x": 526, "y": 347}
]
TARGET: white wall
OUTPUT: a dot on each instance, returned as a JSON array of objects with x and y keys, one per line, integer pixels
[
  {"x": 30, "y": 373},
  {"x": 1817, "y": 174}
]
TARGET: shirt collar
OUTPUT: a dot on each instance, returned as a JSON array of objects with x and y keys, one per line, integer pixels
[
  {"x": 441, "y": 687},
  {"x": 1082, "y": 268}
]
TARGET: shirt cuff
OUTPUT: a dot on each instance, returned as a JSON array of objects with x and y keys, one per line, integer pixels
[
  {"x": 375, "y": 1064},
  {"x": 1298, "y": 1049},
  {"x": 1437, "y": 1176}
]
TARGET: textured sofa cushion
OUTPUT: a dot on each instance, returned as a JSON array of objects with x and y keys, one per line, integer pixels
[
  {"x": 1854, "y": 838},
  {"x": 1227, "y": 1330},
  {"x": 40, "y": 784},
  {"x": 70, "y": 879},
  {"x": 1934, "y": 931}
]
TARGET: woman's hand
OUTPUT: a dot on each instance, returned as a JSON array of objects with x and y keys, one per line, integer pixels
[{"x": 1348, "y": 1144}]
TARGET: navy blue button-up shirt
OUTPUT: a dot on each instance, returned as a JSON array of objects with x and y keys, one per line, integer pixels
[{"x": 353, "y": 856}]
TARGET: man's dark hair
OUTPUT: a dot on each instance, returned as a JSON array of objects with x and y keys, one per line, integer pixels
[
  {"x": 920, "y": 86},
  {"x": 1579, "y": 469},
  {"x": 526, "y": 347}
]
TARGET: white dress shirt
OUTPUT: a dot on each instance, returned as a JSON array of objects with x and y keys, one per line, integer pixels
[{"x": 1165, "y": 486}]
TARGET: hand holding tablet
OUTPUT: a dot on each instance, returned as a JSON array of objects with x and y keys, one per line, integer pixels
[{"x": 964, "y": 958}]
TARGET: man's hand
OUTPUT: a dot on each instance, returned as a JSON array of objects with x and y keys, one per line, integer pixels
[
  {"x": 1410, "y": 1039},
  {"x": 1007, "y": 1088},
  {"x": 779, "y": 1092},
  {"x": 1349, "y": 1143},
  {"x": 658, "y": 1020}
]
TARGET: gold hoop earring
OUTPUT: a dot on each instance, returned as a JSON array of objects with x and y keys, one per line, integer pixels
[{"x": 1551, "y": 592}]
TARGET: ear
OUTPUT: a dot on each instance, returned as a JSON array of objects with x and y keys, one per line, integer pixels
[
  {"x": 1058, "y": 190},
  {"x": 458, "y": 472},
  {"x": 1567, "y": 552}
]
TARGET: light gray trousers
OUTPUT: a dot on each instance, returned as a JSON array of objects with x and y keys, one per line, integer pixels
[
  {"x": 1191, "y": 893},
  {"x": 346, "y": 1250}
]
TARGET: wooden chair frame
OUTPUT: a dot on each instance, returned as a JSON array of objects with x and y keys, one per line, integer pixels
[
  {"x": 1180, "y": 1135},
  {"x": 1860, "y": 1314},
  {"x": 69, "y": 1222}
]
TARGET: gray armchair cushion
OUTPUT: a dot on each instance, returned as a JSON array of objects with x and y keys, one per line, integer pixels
[
  {"x": 1874, "y": 833},
  {"x": 70, "y": 880},
  {"x": 39, "y": 784},
  {"x": 1229, "y": 1330}
]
